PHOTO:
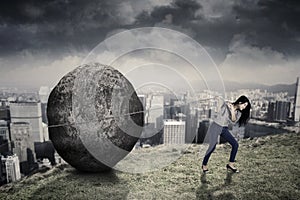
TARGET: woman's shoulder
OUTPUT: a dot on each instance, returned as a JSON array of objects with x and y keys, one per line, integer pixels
[{"x": 224, "y": 108}]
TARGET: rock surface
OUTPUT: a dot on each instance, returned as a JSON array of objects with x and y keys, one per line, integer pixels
[{"x": 89, "y": 121}]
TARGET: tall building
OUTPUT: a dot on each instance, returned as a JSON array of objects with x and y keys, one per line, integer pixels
[
  {"x": 153, "y": 107},
  {"x": 271, "y": 111},
  {"x": 23, "y": 145},
  {"x": 155, "y": 111},
  {"x": 190, "y": 123},
  {"x": 45, "y": 132},
  {"x": 44, "y": 113},
  {"x": 297, "y": 102},
  {"x": 176, "y": 107},
  {"x": 4, "y": 138},
  {"x": 174, "y": 132},
  {"x": 44, "y": 93},
  {"x": 12, "y": 168},
  {"x": 282, "y": 109},
  {"x": 278, "y": 111},
  {"x": 4, "y": 132},
  {"x": 2, "y": 172},
  {"x": 4, "y": 111},
  {"x": 202, "y": 131},
  {"x": 29, "y": 112}
]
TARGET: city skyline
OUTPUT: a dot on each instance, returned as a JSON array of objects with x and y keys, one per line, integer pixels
[
  {"x": 169, "y": 120},
  {"x": 253, "y": 42}
]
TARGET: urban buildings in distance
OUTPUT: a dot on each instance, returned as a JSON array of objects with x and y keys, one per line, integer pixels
[
  {"x": 24, "y": 139},
  {"x": 169, "y": 119}
]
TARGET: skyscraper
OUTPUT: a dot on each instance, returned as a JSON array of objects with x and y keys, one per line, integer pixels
[
  {"x": 153, "y": 118},
  {"x": 23, "y": 145},
  {"x": 4, "y": 111},
  {"x": 44, "y": 93},
  {"x": 271, "y": 111},
  {"x": 29, "y": 112},
  {"x": 282, "y": 111},
  {"x": 174, "y": 132},
  {"x": 4, "y": 133},
  {"x": 155, "y": 112},
  {"x": 297, "y": 102},
  {"x": 2, "y": 172},
  {"x": 4, "y": 138},
  {"x": 202, "y": 131},
  {"x": 12, "y": 168},
  {"x": 278, "y": 111}
]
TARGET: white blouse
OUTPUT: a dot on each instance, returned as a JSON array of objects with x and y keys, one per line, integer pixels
[{"x": 223, "y": 117}]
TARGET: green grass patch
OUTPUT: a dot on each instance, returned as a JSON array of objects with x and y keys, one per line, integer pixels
[{"x": 269, "y": 169}]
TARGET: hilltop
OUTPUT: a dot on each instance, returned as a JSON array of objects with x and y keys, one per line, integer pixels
[{"x": 269, "y": 169}]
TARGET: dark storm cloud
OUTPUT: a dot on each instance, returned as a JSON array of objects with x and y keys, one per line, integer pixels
[
  {"x": 66, "y": 25},
  {"x": 54, "y": 24},
  {"x": 272, "y": 23},
  {"x": 190, "y": 18},
  {"x": 57, "y": 11},
  {"x": 181, "y": 11}
]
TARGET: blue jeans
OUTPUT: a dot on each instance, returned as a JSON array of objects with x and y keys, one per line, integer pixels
[{"x": 229, "y": 138}]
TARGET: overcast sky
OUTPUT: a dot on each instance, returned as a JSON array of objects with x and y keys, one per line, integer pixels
[{"x": 249, "y": 41}]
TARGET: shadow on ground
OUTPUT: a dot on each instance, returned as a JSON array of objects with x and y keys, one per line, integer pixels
[
  {"x": 73, "y": 184},
  {"x": 207, "y": 190}
]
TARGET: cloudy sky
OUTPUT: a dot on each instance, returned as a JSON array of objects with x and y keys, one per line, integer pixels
[{"x": 249, "y": 41}]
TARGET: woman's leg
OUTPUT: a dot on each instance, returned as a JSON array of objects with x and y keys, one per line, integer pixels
[
  {"x": 210, "y": 149},
  {"x": 213, "y": 132},
  {"x": 228, "y": 137}
]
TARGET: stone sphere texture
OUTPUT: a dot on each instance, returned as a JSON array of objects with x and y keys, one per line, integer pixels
[{"x": 94, "y": 117}]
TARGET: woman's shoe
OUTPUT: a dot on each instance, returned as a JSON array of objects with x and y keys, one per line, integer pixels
[
  {"x": 232, "y": 169},
  {"x": 204, "y": 170}
]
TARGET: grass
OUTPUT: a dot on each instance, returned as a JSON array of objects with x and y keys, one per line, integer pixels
[{"x": 269, "y": 169}]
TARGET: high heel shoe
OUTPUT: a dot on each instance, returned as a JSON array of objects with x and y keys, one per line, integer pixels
[
  {"x": 232, "y": 169},
  {"x": 204, "y": 170}
]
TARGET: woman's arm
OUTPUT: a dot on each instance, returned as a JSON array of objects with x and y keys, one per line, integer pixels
[{"x": 232, "y": 112}]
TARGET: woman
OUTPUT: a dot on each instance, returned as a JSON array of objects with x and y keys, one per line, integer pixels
[{"x": 230, "y": 113}]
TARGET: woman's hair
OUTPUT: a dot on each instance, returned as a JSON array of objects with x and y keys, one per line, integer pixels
[{"x": 246, "y": 112}]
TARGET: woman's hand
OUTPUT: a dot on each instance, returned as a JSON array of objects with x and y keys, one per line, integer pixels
[{"x": 231, "y": 106}]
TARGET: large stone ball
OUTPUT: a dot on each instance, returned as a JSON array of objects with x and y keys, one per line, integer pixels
[{"x": 95, "y": 117}]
